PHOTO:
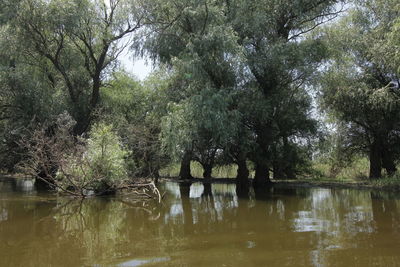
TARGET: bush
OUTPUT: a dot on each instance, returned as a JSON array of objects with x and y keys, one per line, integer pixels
[
  {"x": 75, "y": 165},
  {"x": 99, "y": 166}
]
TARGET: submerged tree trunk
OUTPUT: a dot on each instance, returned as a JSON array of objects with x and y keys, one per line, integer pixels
[
  {"x": 242, "y": 177},
  {"x": 184, "y": 172},
  {"x": 277, "y": 171},
  {"x": 288, "y": 160},
  {"x": 290, "y": 173},
  {"x": 388, "y": 161},
  {"x": 261, "y": 177},
  {"x": 375, "y": 160},
  {"x": 207, "y": 159},
  {"x": 207, "y": 171},
  {"x": 264, "y": 139}
]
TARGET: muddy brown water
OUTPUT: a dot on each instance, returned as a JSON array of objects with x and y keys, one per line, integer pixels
[{"x": 200, "y": 226}]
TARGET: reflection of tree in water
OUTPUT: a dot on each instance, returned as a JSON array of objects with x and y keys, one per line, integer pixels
[
  {"x": 277, "y": 227},
  {"x": 113, "y": 228},
  {"x": 94, "y": 225},
  {"x": 345, "y": 223},
  {"x": 12, "y": 185},
  {"x": 386, "y": 210},
  {"x": 386, "y": 214},
  {"x": 76, "y": 233}
]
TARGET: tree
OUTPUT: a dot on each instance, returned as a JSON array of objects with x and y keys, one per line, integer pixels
[
  {"x": 75, "y": 43},
  {"x": 263, "y": 69},
  {"x": 281, "y": 61},
  {"x": 57, "y": 56},
  {"x": 26, "y": 99},
  {"x": 135, "y": 109},
  {"x": 203, "y": 123},
  {"x": 8, "y": 9},
  {"x": 360, "y": 83},
  {"x": 194, "y": 39}
]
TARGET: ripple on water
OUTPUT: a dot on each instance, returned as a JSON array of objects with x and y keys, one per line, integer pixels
[{"x": 140, "y": 262}]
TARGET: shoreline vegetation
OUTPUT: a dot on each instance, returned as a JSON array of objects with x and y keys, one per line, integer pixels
[
  {"x": 386, "y": 184},
  {"x": 140, "y": 188},
  {"x": 261, "y": 91},
  {"x": 353, "y": 176}
]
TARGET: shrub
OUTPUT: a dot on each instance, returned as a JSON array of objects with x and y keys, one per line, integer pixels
[
  {"x": 99, "y": 166},
  {"x": 75, "y": 165}
]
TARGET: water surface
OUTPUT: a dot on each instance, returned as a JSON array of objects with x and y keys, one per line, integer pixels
[{"x": 200, "y": 225}]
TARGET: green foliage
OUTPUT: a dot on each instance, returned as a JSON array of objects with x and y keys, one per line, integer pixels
[
  {"x": 8, "y": 9},
  {"x": 234, "y": 85},
  {"x": 55, "y": 57},
  {"x": 136, "y": 109},
  {"x": 106, "y": 155},
  {"x": 354, "y": 170},
  {"x": 360, "y": 83},
  {"x": 26, "y": 99},
  {"x": 99, "y": 166},
  {"x": 388, "y": 182},
  {"x": 203, "y": 52},
  {"x": 199, "y": 122},
  {"x": 75, "y": 43}
]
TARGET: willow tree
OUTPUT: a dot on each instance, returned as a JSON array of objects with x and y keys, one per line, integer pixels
[
  {"x": 8, "y": 9},
  {"x": 26, "y": 99},
  {"x": 281, "y": 61},
  {"x": 135, "y": 109},
  {"x": 75, "y": 43},
  {"x": 360, "y": 85},
  {"x": 195, "y": 40}
]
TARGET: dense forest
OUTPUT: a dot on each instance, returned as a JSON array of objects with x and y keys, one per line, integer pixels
[{"x": 272, "y": 89}]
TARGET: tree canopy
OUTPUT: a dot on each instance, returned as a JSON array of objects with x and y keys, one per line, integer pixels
[{"x": 235, "y": 83}]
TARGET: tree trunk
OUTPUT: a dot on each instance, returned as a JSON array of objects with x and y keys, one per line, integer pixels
[
  {"x": 387, "y": 161},
  {"x": 207, "y": 171},
  {"x": 184, "y": 172},
  {"x": 278, "y": 171},
  {"x": 156, "y": 176},
  {"x": 375, "y": 160},
  {"x": 242, "y": 177},
  {"x": 264, "y": 139},
  {"x": 288, "y": 159},
  {"x": 261, "y": 177},
  {"x": 82, "y": 124},
  {"x": 42, "y": 185},
  {"x": 289, "y": 172}
]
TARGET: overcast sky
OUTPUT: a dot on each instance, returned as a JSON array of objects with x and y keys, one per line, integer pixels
[{"x": 137, "y": 66}]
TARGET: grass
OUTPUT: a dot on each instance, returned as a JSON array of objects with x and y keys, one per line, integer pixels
[
  {"x": 356, "y": 171},
  {"x": 226, "y": 171},
  {"x": 393, "y": 181},
  {"x": 355, "y": 174}
]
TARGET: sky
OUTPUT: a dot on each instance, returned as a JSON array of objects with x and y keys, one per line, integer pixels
[{"x": 139, "y": 67}]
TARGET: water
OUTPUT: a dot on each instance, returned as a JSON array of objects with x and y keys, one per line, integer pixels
[{"x": 200, "y": 226}]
